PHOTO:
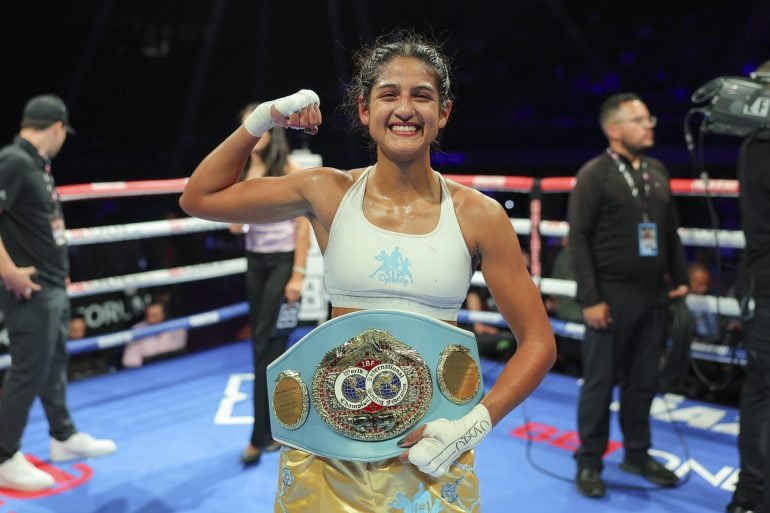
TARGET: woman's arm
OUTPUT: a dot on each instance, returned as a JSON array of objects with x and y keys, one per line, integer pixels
[
  {"x": 488, "y": 232},
  {"x": 213, "y": 191},
  {"x": 520, "y": 304}
]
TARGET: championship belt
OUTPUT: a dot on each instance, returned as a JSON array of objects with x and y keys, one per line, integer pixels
[{"x": 348, "y": 388}]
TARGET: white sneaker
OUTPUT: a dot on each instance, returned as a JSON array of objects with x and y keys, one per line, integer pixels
[
  {"x": 17, "y": 473},
  {"x": 80, "y": 445}
]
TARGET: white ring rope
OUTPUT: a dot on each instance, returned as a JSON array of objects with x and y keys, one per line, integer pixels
[
  {"x": 701, "y": 237},
  {"x": 158, "y": 277},
  {"x": 145, "y": 230}
]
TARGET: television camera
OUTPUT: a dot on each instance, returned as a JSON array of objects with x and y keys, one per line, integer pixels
[{"x": 734, "y": 105}]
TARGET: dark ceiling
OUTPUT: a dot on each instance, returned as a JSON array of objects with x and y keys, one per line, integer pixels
[{"x": 154, "y": 84}]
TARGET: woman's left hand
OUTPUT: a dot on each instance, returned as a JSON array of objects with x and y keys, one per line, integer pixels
[{"x": 436, "y": 445}]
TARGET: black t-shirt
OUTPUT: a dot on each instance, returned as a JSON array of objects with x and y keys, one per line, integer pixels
[
  {"x": 31, "y": 223},
  {"x": 754, "y": 178},
  {"x": 604, "y": 218}
]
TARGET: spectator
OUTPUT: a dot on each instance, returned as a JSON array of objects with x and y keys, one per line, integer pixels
[
  {"x": 706, "y": 323},
  {"x": 77, "y": 327},
  {"x": 165, "y": 343}
]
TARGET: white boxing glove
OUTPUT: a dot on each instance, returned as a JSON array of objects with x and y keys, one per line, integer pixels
[
  {"x": 444, "y": 440},
  {"x": 260, "y": 121}
]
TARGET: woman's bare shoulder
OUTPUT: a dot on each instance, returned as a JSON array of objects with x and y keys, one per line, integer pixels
[{"x": 324, "y": 186}]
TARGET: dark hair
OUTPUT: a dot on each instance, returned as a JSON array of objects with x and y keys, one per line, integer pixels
[
  {"x": 277, "y": 152},
  {"x": 611, "y": 105},
  {"x": 370, "y": 60}
]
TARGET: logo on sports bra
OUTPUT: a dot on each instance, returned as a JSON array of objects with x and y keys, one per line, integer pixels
[{"x": 394, "y": 268}]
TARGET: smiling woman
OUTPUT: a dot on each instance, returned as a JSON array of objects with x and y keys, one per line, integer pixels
[
  {"x": 404, "y": 110},
  {"x": 400, "y": 245},
  {"x": 369, "y": 83}
]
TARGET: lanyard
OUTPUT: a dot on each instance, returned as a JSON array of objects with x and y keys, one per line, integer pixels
[{"x": 641, "y": 199}]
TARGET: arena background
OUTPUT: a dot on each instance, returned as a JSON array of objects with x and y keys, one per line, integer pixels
[{"x": 153, "y": 85}]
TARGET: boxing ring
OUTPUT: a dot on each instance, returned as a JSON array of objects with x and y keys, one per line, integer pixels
[
  {"x": 314, "y": 301},
  {"x": 174, "y": 420}
]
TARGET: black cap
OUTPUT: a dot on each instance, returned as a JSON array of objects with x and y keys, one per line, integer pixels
[{"x": 45, "y": 110}]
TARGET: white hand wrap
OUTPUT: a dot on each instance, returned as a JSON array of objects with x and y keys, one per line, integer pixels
[
  {"x": 444, "y": 440},
  {"x": 260, "y": 121}
]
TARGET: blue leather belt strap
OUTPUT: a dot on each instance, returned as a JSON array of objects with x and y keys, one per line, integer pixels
[{"x": 424, "y": 334}]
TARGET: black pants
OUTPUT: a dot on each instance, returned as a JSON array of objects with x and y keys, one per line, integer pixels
[
  {"x": 38, "y": 332},
  {"x": 266, "y": 278},
  {"x": 625, "y": 354},
  {"x": 754, "y": 436}
]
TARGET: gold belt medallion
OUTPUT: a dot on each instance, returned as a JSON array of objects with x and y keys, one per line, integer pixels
[
  {"x": 290, "y": 400},
  {"x": 459, "y": 376}
]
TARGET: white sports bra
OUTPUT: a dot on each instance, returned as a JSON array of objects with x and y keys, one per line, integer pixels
[{"x": 368, "y": 267}]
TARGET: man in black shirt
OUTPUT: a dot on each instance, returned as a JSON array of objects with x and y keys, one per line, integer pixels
[
  {"x": 751, "y": 491},
  {"x": 34, "y": 268},
  {"x": 624, "y": 243}
]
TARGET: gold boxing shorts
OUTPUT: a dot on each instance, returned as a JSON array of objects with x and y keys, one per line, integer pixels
[{"x": 313, "y": 484}]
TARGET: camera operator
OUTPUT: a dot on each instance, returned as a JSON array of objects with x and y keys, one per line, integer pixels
[{"x": 751, "y": 492}]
